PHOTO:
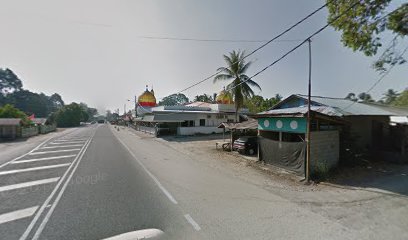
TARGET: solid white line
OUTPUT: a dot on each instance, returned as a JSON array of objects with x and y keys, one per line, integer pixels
[
  {"x": 42, "y": 159},
  {"x": 22, "y": 213},
  {"x": 167, "y": 193},
  {"x": 64, "y": 146},
  {"x": 28, "y": 184},
  {"x": 54, "y": 191},
  {"x": 57, "y": 199},
  {"x": 56, "y": 151},
  {"x": 192, "y": 222},
  {"x": 33, "y": 169}
]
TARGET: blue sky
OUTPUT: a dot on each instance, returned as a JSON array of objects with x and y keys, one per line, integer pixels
[{"x": 92, "y": 51}]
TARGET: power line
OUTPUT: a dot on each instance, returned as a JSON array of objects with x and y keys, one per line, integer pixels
[
  {"x": 306, "y": 40},
  {"x": 379, "y": 79},
  {"x": 262, "y": 46},
  {"x": 296, "y": 47},
  {"x": 215, "y": 40}
]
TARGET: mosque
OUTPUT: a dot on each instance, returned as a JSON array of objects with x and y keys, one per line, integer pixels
[{"x": 189, "y": 119}]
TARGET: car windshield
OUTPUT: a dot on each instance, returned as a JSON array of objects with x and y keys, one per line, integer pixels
[{"x": 189, "y": 119}]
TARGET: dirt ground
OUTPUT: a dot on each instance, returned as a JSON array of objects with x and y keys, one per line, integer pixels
[{"x": 370, "y": 200}]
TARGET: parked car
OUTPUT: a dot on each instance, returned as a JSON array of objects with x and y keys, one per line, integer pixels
[{"x": 246, "y": 145}]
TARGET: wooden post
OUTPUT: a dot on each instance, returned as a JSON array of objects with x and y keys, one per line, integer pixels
[
  {"x": 231, "y": 141},
  {"x": 307, "y": 172}
]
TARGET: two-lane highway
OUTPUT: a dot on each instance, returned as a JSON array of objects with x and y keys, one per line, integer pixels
[{"x": 85, "y": 185}]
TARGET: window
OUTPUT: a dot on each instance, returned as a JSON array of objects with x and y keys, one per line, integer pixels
[
  {"x": 202, "y": 122},
  {"x": 230, "y": 120},
  {"x": 190, "y": 123}
]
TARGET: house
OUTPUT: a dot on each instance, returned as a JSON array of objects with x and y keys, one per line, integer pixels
[
  {"x": 337, "y": 125},
  {"x": 39, "y": 121},
  {"x": 190, "y": 119},
  {"x": 9, "y": 128}
]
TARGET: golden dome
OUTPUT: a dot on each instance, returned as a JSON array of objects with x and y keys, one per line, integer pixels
[
  {"x": 147, "y": 99},
  {"x": 224, "y": 97}
]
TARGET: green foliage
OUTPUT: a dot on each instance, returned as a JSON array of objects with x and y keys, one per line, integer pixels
[
  {"x": 363, "y": 25},
  {"x": 8, "y": 111},
  {"x": 258, "y": 104},
  {"x": 352, "y": 97},
  {"x": 240, "y": 86},
  {"x": 390, "y": 96},
  {"x": 90, "y": 111},
  {"x": 9, "y": 82},
  {"x": 174, "y": 99},
  {"x": 204, "y": 98},
  {"x": 401, "y": 100},
  {"x": 69, "y": 116},
  {"x": 365, "y": 97}
]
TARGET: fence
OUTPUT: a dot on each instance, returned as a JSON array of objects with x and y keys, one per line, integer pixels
[
  {"x": 47, "y": 128},
  {"x": 29, "y": 131}
]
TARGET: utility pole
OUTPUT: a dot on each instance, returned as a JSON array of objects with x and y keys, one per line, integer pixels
[{"x": 307, "y": 172}]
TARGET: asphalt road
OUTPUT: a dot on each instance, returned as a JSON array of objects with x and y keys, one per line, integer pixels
[{"x": 96, "y": 182}]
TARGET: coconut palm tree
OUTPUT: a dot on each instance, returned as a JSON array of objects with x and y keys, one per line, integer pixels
[
  {"x": 240, "y": 86},
  {"x": 390, "y": 96}
]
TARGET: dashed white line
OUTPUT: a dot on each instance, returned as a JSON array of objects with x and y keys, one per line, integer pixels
[
  {"x": 28, "y": 184},
  {"x": 33, "y": 169},
  {"x": 164, "y": 190},
  {"x": 56, "y": 151},
  {"x": 15, "y": 215},
  {"x": 43, "y": 159},
  {"x": 192, "y": 222}
]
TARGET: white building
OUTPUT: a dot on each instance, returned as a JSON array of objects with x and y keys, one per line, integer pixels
[{"x": 191, "y": 119}]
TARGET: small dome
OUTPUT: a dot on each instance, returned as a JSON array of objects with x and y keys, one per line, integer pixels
[
  {"x": 147, "y": 99},
  {"x": 224, "y": 97}
]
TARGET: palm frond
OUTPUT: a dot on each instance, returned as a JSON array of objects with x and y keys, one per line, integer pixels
[
  {"x": 244, "y": 67},
  {"x": 225, "y": 70},
  {"x": 251, "y": 82},
  {"x": 221, "y": 77}
]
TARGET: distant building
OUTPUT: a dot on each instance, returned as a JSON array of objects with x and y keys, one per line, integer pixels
[
  {"x": 190, "y": 119},
  {"x": 9, "y": 128}
]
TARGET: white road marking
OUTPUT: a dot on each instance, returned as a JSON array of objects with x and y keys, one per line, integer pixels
[
  {"x": 64, "y": 146},
  {"x": 61, "y": 143},
  {"x": 56, "y": 151},
  {"x": 57, "y": 199},
  {"x": 71, "y": 139},
  {"x": 33, "y": 169},
  {"x": 32, "y": 150},
  {"x": 43, "y": 159},
  {"x": 54, "y": 191},
  {"x": 15, "y": 215},
  {"x": 192, "y": 222},
  {"x": 167, "y": 193},
  {"x": 28, "y": 184}
]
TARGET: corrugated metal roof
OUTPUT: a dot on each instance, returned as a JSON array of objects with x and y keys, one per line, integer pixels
[
  {"x": 347, "y": 107},
  {"x": 250, "y": 124},
  {"x": 399, "y": 111},
  {"x": 39, "y": 120},
  {"x": 10, "y": 121},
  {"x": 301, "y": 111}
]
